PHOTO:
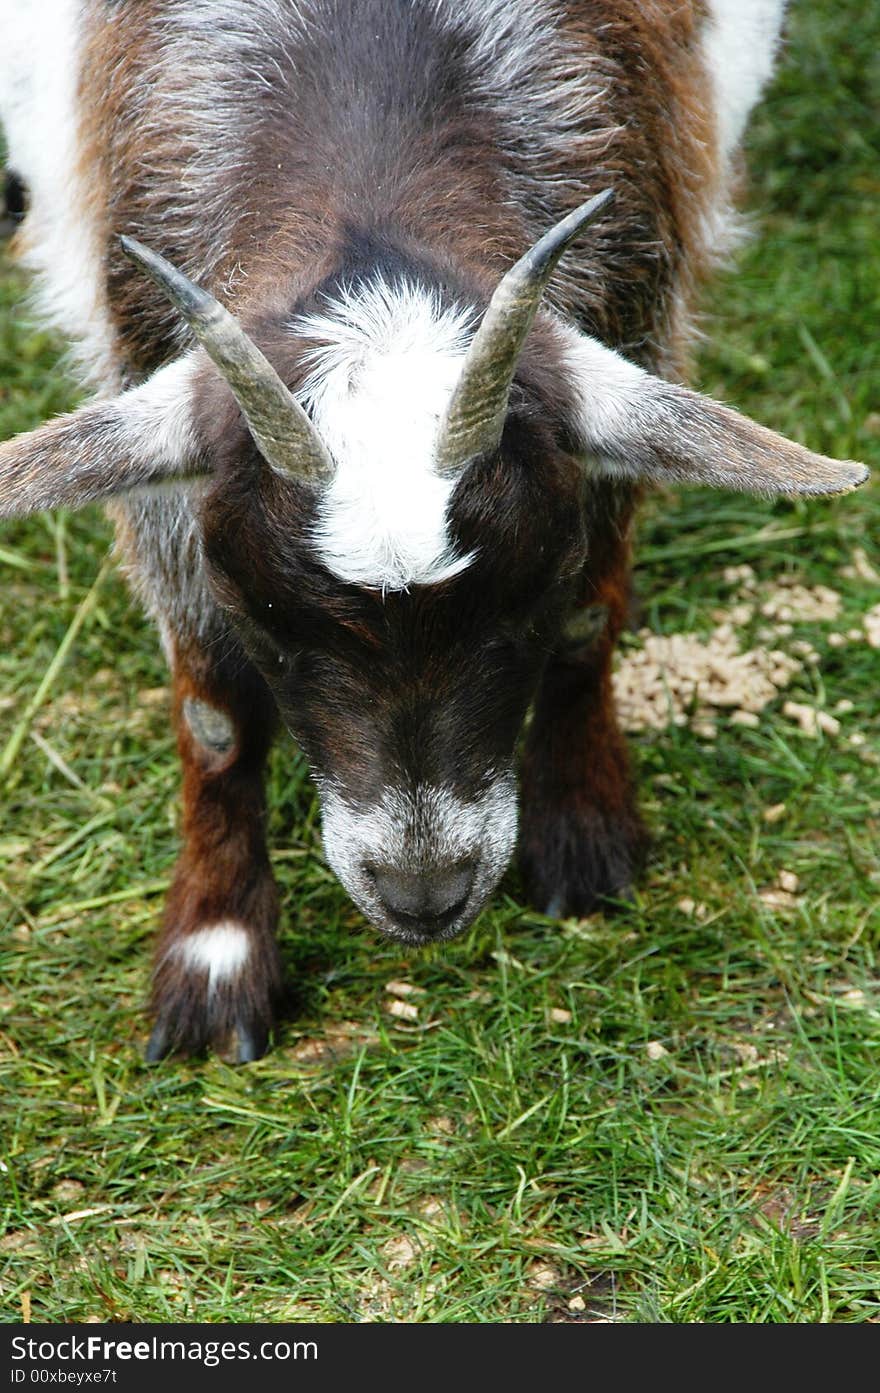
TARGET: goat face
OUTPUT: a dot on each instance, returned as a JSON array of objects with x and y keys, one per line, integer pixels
[
  {"x": 406, "y": 693},
  {"x": 408, "y": 704}
]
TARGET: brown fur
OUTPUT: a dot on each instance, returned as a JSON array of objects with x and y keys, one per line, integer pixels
[
  {"x": 582, "y": 841},
  {"x": 223, "y": 872},
  {"x": 461, "y": 186},
  {"x": 454, "y": 191}
]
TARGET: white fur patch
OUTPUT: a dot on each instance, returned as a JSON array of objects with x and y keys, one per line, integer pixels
[
  {"x": 39, "y": 71},
  {"x": 740, "y": 42},
  {"x": 389, "y": 359},
  {"x": 428, "y": 827},
  {"x": 221, "y": 951},
  {"x": 610, "y": 391},
  {"x": 157, "y": 415}
]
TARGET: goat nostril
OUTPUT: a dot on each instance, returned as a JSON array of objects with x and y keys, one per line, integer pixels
[{"x": 435, "y": 893}]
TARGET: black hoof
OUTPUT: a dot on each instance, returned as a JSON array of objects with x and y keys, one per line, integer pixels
[
  {"x": 555, "y": 908},
  {"x": 245, "y": 1044},
  {"x": 249, "y": 1043},
  {"x": 159, "y": 1044},
  {"x": 576, "y": 863},
  {"x": 559, "y": 907}
]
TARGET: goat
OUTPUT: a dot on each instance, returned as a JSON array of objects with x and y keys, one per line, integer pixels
[{"x": 368, "y": 477}]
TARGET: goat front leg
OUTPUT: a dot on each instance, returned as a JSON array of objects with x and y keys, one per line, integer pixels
[
  {"x": 582, "y": 840},
  {"x": 217, "y": 968}
]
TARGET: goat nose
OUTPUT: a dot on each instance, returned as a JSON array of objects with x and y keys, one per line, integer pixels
[{"x": 431, "y": 897}]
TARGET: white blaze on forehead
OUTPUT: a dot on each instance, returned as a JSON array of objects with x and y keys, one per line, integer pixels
[
  {"x": 381, "y": 378},
  {"x": 220, "y": 950}
]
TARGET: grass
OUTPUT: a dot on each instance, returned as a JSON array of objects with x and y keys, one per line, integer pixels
[{"x": 663, "y": 1117}]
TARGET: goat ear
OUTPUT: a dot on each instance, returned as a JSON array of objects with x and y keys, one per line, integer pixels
[
  {"x": 632, "y": 425},
  {"x": 143, "y": 436}
]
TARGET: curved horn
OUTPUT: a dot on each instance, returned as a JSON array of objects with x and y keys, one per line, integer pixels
[
  {"x": 476, "y": 413},
  {"x": 286, "y": 438}
]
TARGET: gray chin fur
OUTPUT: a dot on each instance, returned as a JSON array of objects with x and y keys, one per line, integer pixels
[{"x": 427, "y": 827}]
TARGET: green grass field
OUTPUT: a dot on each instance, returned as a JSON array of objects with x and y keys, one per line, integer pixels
[{"x": 672, "y": 1115}]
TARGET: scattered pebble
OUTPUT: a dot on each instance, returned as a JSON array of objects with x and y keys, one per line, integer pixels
[
  {"x": 778, "y": 899},
  {"x": 399, "y": 1252},
  {"x": 854, "y": 997},
  {"x": 404, "y": 1010},
  {"x": 788, "y": 881},
  {"x": 871, "y": 621},
  {"x": 805, "y": 650},
  {"x": 68, "y": 1191},
  {"x": 691, "y": 908},
  {"x": 745, "y": 718},
  {"x": 441, "y": 1124},
  {"x": 810, "y": 720},
  {"x": 742, "y": 614},
  {"x": 655, "y": 1050},
  {"x": 861, "y": 568},
  {"x": 775, "y": 813},
  {"x": 705, "y": 730},
  {"x": 743, "y": 576},
  {"x": 800, "y": 603},
  {"x": 577, "y": 1303},
  {"x": 558, "y": 1016},
  {"x": 543, "y": 1276},
  {"x": 404, "y": 989}
]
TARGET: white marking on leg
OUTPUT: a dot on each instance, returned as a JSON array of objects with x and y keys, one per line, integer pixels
[{"x": 220, "y": 950}]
